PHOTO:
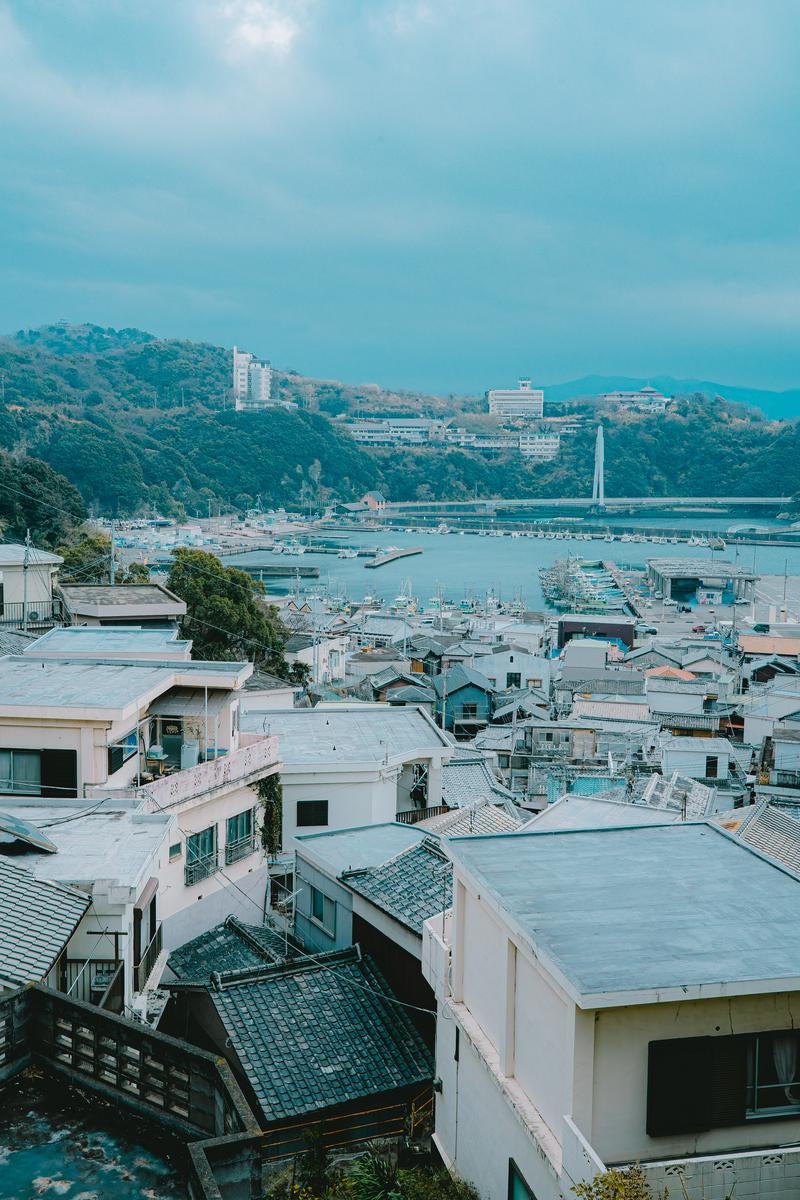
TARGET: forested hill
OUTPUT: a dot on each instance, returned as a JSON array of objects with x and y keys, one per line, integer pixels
[{"x": 135, "y": 422}]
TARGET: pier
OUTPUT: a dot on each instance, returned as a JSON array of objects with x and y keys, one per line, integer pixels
[{"x": 382, "y": 560}]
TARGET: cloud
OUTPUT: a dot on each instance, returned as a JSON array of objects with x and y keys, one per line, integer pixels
[{"x": 256, "y": 26}]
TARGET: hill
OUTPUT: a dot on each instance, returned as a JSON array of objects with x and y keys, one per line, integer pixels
[
  {"x": 778, "y": 405},
  {"x": 136, "y": 422}
]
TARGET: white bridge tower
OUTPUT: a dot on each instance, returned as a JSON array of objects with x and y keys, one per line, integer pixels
[{"x": 599, "y": 486}]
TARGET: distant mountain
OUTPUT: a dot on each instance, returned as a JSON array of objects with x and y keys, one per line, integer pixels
[{"x": 782, "y": 406}]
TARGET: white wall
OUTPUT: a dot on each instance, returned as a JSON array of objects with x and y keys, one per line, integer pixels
[
  {"x": 39, "y": 587},
  {"x": 484, "y": 967},
  {"x": 543, "y": 1042},
  {"x": 354, "y": 798}
]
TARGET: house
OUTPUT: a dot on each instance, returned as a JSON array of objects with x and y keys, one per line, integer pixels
[
  {"x": 568, "y": 1041},
  {"x": 233, "y": 945},
  {"x": 344, "y": 765},
  {"x": 373, "y": 887},
  {"x": 323, "y": 656},
  {"x": 513, "y": 667},
  {"x": 109, "y": 852},
  {"x": 264, "y": 691},
  {"x": 120, "y": 604},
  {"x": 464, "y": 700},
  {"x": 165, "y": 734},
  {"x": 123, "y": 642},
  {"x": 703, "y": 758},
  {"x": 27, "y": 581},
  {"x": 37, "y": 919},
  {"x": 619, "y": 628},
  {"x": 377, "y": 661},
  {"x": 312, "y": 1039}
]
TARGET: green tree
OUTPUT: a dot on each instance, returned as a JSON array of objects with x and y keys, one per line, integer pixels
[
  {"x": 135, "y": 572},
  {"x": 616, "y": 1184},
  {"x": 87, "y": 557},
  {"x": 34, "y": 497},
  {"x": 225, "y": 618}
]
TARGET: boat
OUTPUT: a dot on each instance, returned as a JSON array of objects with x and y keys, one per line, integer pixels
[
  {"x": 294, "y": 547},
  {"x": 347, "y": 552}
]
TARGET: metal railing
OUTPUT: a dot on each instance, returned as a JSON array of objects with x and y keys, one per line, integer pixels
[
  {"x": 241, "y": 848},
  {"x": 410, "y": 816},
  {"x": 34, "y": 614},
  {"x": 142, "y": 970},
  {"x": 200, "y": 868}
]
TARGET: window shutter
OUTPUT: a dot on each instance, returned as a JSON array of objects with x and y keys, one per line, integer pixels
[
  {"x": 59, "y": 773},
  {"x": 679, "y": 1086},
  {"x": 728, "y": 1081}
]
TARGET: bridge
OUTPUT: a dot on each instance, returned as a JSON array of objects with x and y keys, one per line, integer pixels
[{"x": 586, "y": 503}]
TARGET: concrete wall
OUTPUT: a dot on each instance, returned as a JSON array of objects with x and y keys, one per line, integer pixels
[
  {"x": 309, "y": 931},
  {"x": 354, "y": 798},
  {"x": 543, "y": 1041},
  {"x": 37, "y": 590},
  {"x": 620, "y": 1074},
  {"x": 692, "y": 763},
  {"x": 484, "y": 967}
]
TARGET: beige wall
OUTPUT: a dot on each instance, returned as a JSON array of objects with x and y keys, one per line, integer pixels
[
  {"x": 39, "y": 584},
  {"x": 484, "y": 968},
  {"x": 543, "y": 1042},
  {"x": 620, "y": 1073}
]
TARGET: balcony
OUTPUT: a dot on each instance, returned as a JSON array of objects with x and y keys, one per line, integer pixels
[
  {"x": 234, "y": 851},
  {"x": 98, "y": 981},
  {"x": 34, "y": 615},
  {"x": 410, "y": 816},
  {"x": 144, "y": 967},
  {"x": 773, "y": 1172},
  {"x": 200, "y": 869}
]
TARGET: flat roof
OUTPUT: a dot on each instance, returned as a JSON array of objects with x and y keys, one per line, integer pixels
[
  {"x": 699, "y": 568},
  {"x": 112, "y": 843},
  {"x": 596, "y": 812},
  {"x": 345, "y": 733},
  {"x": 12, "y": 554},
  {"x": 100, "y": 641},
  {"x": 106, "y": 599},
  {"x": 360, "y": 847},
  {"x": 642, "y": 915},
  {"x": 707, "y": 745}
]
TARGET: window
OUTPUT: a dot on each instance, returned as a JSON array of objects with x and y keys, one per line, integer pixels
[
  {"x": 513, "y": 679},
  {"x": 119, "y": 752},
  {"x": 201, "y": 855},
  {"x": 311, "y": 812},
  {"x": 469, "y": 711},
  {"x": 333, "y": 659},
  {"x": 239, "y": 839},
  {"x": 517, "y": 1187},
  {"x": 534, "y": 683},
  {"x": 175, "y": 851},
  {"x": 773, "y": 1079},
  {"x": 281, "y": 888},
  {"x": 712, "y": 766},
  {"x": 322, "y": 910},
  {"x": 39, "y": 772}
]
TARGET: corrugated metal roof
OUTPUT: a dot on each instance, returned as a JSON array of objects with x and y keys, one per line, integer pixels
[
  {"x": 611, "y": 710},
  {"x": 774, "y": 833},
  {"x": 37, "y": 919}
]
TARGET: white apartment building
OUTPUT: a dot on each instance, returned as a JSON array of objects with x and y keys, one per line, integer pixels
[
  {"x": 398, "y": 431},
  {"x": 541, "y": 447},
  {"x": 646, "y": 399},
  {"x": 252, "y": 382},
  {"x": 522, "y": 401},
  {"x": 612, "y": 996},
  {"x": 164, "y": 734}
]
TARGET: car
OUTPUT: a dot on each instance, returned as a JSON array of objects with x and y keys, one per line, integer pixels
[
  {"x": 713, "y": 636},
  {"x": 698, "y": 629},
  {"x": 672, "y": 603},
  {"x": 684, "y": 608},
  {"x": 760, "y": 627},
  {"x": 646, "y": 629}
]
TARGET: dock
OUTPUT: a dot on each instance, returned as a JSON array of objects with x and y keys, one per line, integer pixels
[{"x": 390, "y": 556}]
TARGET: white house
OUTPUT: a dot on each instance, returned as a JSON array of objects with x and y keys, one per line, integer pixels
[
  {"x": 613, "y": 996},
  {"x": 696, "y": 757},
  {"x": 165, "y": 734},
  {"x": 27, "y": 578}
]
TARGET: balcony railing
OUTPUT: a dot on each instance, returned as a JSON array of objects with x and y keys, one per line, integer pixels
[
  {"x": 144, "y": 967},
  {"x": 33, "y": 614},
  {"x": 410, "y": 816},
  {"x": 200, "y": 868},
  {"x": 239, "y": 849},
  {"x": 98, "y": 981}
]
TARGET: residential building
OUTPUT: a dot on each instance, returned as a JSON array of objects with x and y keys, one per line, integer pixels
[
  {"x": 323, "y": 655},
  {"x": 37, "y": 920},
  {"x": 164, "y": 734},
  {"x": 120, "y": 604},
  {"x": 344, "y": 765},
  {"x": 398, "y": 431},
  {"x": 706, "y": 758},
  {"x": 464, "y": 700},
  {"x": 540, "y": 447},
  {"x": 570, "y": 1040},
  {"x": 27, "y": 581},
  {"x": 523, "y": 401},
  {"x": 252, "y": 382},
  {"x": 645, "y": 399},
  {"x": 122, "y": 642}
]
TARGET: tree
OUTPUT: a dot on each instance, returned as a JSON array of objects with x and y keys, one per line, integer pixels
[
  {"x": 87, "y": 557},
  {"x": 136, "y": 572},
  {"x": 34, "y": 497},
  {"x": 616, "y": 1184},
  {"x": 224, "y": 617}
]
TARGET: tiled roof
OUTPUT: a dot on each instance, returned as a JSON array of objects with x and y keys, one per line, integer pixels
[
  {"x": 321, "y": 1034},
  {"x": 774, "y": 833},
  {"x": 231, "y": 946},
  {"x": 37, "y": 919},
  {"x": 465, "y": 780},
  {"x": 459, "y": 677},
  {"x": 412, "y": 886},
  {"x": 483, "y": 817}
]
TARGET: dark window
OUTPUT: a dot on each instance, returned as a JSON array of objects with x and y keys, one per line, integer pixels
[
  {"x": 712, "y": 766},
  {"x": 518, "y": 1189},
  {"x": 119, "y": 752},
  {"x": 695, "y": 1084},
  {"x": 280, "y": 890},
  {"x": 456, "y": 1047},
  {"x": 513, "y": 679},
  {"x": 311, "y": 812},
  {"x": 201, "y": 855},
  {"x": 175, "y": 851},
  {"x": 773, "y": 1077},
  {"x": 469, "y": 711},
  {"x": 39, "y": 772},
  {"x": 239, "y": 836},
  {"x": 323, "y": 910}
]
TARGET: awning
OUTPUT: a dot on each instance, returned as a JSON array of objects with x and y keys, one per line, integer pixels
[{"x": 189, "y": 702}]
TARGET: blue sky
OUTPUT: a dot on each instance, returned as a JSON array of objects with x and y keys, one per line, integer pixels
[{"x": 428, "y": 193}]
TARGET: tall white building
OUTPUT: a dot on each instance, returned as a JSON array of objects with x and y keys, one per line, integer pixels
[
  {"x": 522, "y": 401},
  {"x": 252, "y": 382}
]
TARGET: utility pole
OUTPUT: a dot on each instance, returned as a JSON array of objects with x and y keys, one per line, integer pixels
[
  {"x": 26, "y": 558},
  {"x": 112, "y": 572}
]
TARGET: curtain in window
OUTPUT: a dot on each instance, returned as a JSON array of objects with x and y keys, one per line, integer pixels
[
  {"x": 784, "y": 1054},
  {"x": 21, "y": 771}
]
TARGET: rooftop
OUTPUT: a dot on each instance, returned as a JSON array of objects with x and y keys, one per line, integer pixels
[
  {"x": 231, "y": 946},
  {"x": 109, "y": 641},
  {"x": 97, "y": 597},
  {"x": 411, "y": 887},
  {"x": 704, "y": 745},
  {"x": 112, "y": 844},
  {"x": 479, "y": 817},
  {"x": 319, "y": 1035},
  {"x": 341, "y": 733},
  {"x": 699, "y": 568},
  {"x": 465, "y": 780},
  {"x": 360, "y": 847},
  {"x": 37, "y": 919},
  {"x": 12, "y": 554},
  {"x": 595, "y": 812},
  {"x": 637, "y": 915},
  {"x": 611, "y": 710}
]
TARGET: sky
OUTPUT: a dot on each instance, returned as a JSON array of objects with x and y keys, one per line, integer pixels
[{"x": 433, "y": 194}]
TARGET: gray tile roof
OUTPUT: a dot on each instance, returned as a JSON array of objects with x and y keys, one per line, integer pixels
[
  {"x": 320, "y": 1034},
  {"x": 37, "y": 919},
  {"x": 774, "y": 833},
  {"x": 483, "y": 817},
  {"x": 412, "y": 886},
  {"x": 231, "y": 946},
  {"x": 459, "y": 677},
  {"x": 466, "y": 780}
]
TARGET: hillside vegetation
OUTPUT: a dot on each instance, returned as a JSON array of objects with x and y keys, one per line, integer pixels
[{"x": 137, "y": 423}]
